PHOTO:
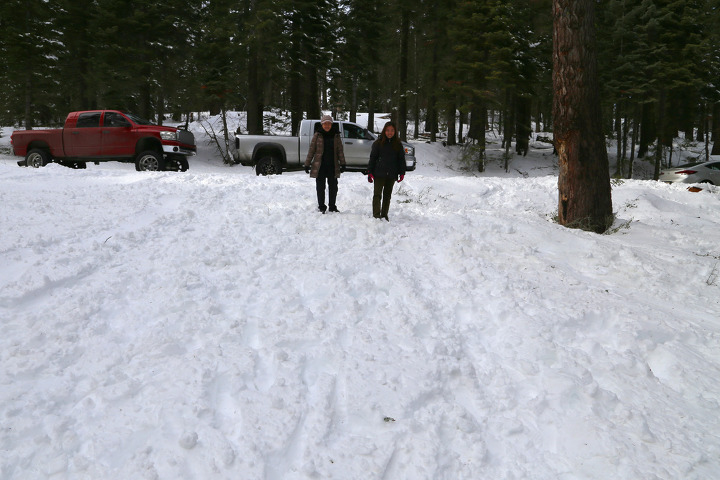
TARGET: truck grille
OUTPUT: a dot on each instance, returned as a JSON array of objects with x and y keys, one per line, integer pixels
[{"x": 186, "y": 137}]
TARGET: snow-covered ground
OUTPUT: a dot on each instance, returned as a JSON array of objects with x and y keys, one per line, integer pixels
[{"x": 212, "y": 324}]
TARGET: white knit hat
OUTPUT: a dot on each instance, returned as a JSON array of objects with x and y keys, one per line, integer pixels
[{"x": 326, "y": 118}]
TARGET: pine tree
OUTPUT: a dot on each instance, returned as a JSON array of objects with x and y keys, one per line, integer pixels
[
  {"x": 216, "y": 54},
  {"x": 258, "y": 34},
  {"x": 468, "y": 29},
  {"x": 433, "y": 65},
  {"x": 584, "y": 181},
  {"x": 357, "y": 60},
  {"x": 75, "y": 24},
  {"x": 29, "y": 61},
  {"x": 308, "y": 31}
]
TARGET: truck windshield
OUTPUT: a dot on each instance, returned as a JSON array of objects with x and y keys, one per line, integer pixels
[{"x": 138, "y": 120}]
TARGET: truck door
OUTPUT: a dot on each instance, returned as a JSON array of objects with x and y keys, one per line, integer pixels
[
  {"x": 117, "y": 138},
  {"x": 357, "y": 143},
  {"x": 84, "y": 139}
]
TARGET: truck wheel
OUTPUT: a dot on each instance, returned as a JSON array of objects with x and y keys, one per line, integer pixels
[
  {"x": 268, "y": 166},
  {"x": 37, "y": 158},
  {"x": 177, "y": 163},
  {"x": 74, "y": 165},
  {"x": 149, "y": 160}
]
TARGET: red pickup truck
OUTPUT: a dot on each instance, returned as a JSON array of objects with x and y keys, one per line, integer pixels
[{"x": 103, "y": 135}]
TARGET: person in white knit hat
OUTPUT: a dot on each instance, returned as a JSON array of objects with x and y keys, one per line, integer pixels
[{"x": 325, "y": 162}]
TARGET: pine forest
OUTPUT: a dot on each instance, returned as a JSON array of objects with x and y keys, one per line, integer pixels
[{"x": 452, "y": 68}]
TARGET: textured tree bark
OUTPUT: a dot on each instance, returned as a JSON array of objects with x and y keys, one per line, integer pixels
[
  {"x": 523, "y": 127},
  {"x": 403, "y": 88},
  {"x": 254, "y": 98},
  {"x": 584, "y": 177},
  {"x": 716, "y": 129}
]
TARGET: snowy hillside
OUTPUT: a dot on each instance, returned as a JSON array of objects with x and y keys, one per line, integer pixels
[{"x": 212, "y": 324}]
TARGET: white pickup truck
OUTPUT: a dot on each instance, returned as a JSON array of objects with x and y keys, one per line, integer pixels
[{"x": 273, "y": 154}]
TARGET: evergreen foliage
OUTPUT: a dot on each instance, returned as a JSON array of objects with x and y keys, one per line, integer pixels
[{"x": 421, "y": 60}]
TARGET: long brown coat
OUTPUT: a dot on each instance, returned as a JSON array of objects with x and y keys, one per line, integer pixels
[{"x": 315, "y": 153}]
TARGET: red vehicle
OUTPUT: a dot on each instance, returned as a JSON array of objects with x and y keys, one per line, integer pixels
[{"x": 104, "y": 135}]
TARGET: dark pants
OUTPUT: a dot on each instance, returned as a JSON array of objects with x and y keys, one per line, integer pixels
[
  {"x": 381, "y": 196},
  {"x": 332, "y": 188}
]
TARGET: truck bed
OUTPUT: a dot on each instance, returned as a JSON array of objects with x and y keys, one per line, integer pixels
[
  {"x": 250, "y": 146},
  {"x": 25, "y": 140}
]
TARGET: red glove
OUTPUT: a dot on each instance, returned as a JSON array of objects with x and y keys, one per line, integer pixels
[
  {"x": 370, "y": 178},
  {"x": 400, "y": 178}
]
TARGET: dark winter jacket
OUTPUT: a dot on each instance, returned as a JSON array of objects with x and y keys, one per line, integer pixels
[
  {"x": 317, "y": 148},
  {"x": 386, "y": 160}
]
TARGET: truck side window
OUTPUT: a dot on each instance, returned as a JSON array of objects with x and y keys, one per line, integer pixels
[
  {"x": 353, "y": 131},
  {"x": 113, "y": 119},
  {"x": 88, "y": 120}
]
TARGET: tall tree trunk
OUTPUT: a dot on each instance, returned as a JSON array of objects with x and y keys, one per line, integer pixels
[
  {"x": 716, "y": 129},
  {"x": 647, "y": 128},
  {"x": 661, "y": 134},
  {"x": 508, "y": 125},
  {"x": 478, "y": 121},
  {"x": 625, "y": 129},
  {"x": 523, "y": 127},
  {"x": 226, "y": 137},
  {"x": 701, "y": 125},
  {"x": 584, "y": 195},
  {"x": 354, "y": 102},
  {"x": 371, "y": 110},
  {"x": 160, "y": 109},
  {"x": 28, "y": 101},
  {"x": 254, "y": 98},
  {"x": 296, "y": 111},
  {"x": 146, "y": 91},
  {"x": 633, "y": 142},
  {"x": 706, "y": 123},
  {"x": 461, "y": 124},
  {"x": 403, "y": 87},
  {"x": 431, "y": 118},
  {"x": 451, "y": 118},
  {"x": 416, "y": 114},
  {"x": 312, "y": 95},
  {"x": 416, "y": 97},
  {"x": 504, "y": 127},
  {"x": 432, "y": 112},
  {"x": 618, "y": 143}
]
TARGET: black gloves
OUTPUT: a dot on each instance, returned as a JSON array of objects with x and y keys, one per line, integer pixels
[{"x": 307, "y": 170}]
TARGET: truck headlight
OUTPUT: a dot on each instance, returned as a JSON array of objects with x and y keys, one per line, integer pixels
[
  {"x": 410, "y": 151},
  {"x": 168, "y": 135}
]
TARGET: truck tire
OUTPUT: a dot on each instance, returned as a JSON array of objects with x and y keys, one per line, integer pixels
[
  {"x": 149, "y": 160},
  {"x": 177, "y": 163},
  {"x": 268, "y": 166},
  {"x": 37, "y": 158},
  {"x": 73, "y": 165}
]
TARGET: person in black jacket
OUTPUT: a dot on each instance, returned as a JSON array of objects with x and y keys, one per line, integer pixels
[{"x": 387, "y": 164}]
